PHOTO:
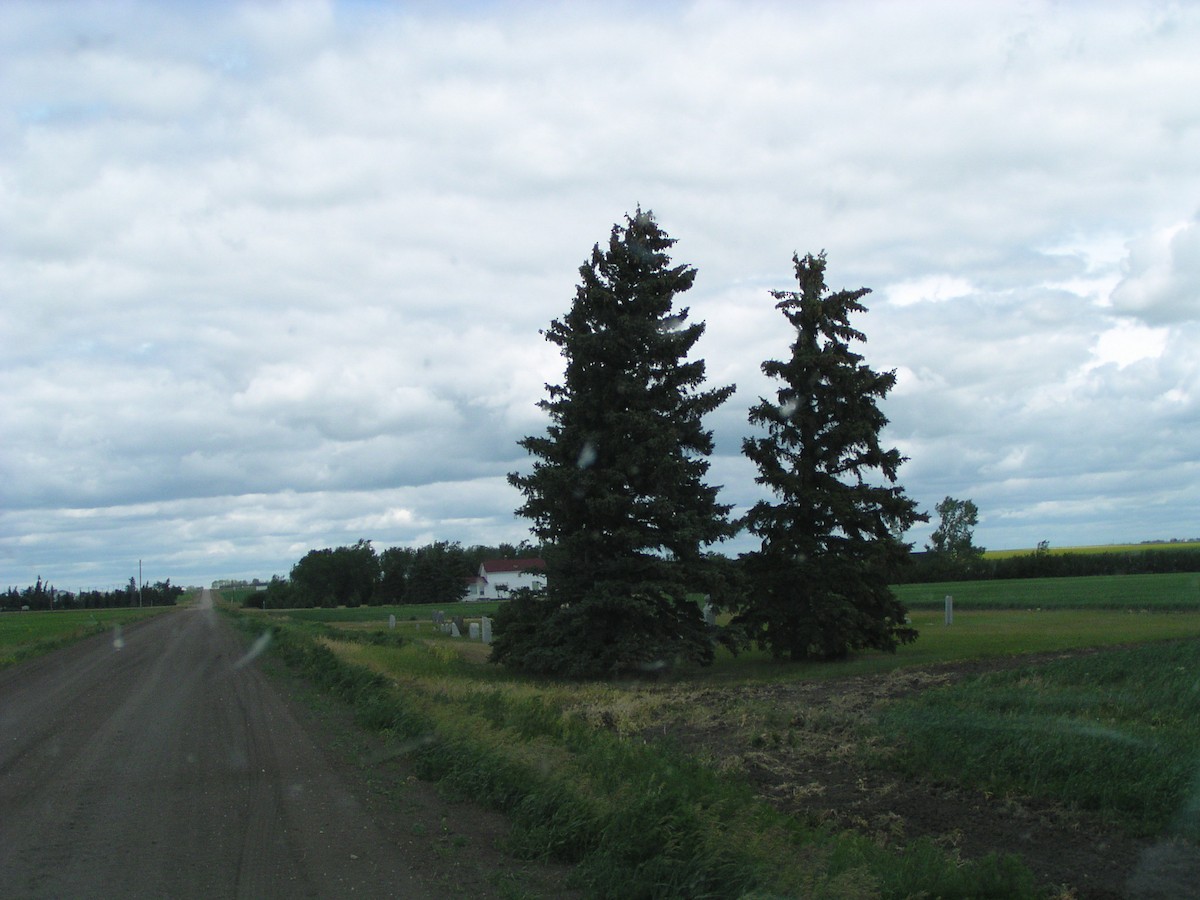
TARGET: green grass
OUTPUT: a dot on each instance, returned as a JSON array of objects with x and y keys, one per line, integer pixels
[
  {"x": 27, "y": 634},
  {"x": 975, "y": 634},
  {"x": 1179, "y": 591},
  {"x": 1117, "y": 733}
]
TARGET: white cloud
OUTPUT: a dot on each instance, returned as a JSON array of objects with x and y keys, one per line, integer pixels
[
  {"x": 930, "y": 289},
  {"x": 1128, "y": 343},
  {"x": 1162, "y": 279},
  {"x": 272, "y": 275}
]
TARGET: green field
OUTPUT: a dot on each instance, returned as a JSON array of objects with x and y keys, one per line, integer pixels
[
  {"x": 991, "y": 618},
  {"x": 1180, "y": 591},
  {"x": 1116, "y": 733},
  {"x": 26, "y": 634}
]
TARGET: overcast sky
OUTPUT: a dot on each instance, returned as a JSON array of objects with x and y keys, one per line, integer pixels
[{"x": 271, "y": 275}]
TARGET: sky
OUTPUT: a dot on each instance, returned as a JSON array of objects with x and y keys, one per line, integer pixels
[{"x": 272, "y": 274}]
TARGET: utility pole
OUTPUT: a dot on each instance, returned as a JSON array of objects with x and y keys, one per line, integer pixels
[{"x": 139, "y": 583}]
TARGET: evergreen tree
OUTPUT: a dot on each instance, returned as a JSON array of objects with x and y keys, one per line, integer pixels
[
  {"x": 616, "y": 493},
  {"x": 830, "y": 537}
]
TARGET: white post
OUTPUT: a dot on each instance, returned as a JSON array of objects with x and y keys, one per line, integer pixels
[{"x": 949, "y": 610}]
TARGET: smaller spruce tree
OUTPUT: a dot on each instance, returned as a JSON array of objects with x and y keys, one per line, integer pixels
[{"x": 830, "y": 535}]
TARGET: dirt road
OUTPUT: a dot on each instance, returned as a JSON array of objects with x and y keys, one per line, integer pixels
[{"x": 158, "y": 763}]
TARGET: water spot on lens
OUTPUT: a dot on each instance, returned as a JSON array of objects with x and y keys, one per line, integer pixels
[
  {"x": 256, "y": 649},
  {"x": 587, "y": 456}
]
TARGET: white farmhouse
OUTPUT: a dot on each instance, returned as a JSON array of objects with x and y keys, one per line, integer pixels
[{"x": 501, "y": 577}]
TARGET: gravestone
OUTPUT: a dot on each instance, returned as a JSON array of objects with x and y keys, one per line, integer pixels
[
  {"x": 949, "y": 610},
  {"x": 485, "y": 630},
  {"x": 474, "y": 628},
  {"x": 454, "y": 632},
  {"x": 392, "y": 622},
  {"x": 460, "y": 625}
]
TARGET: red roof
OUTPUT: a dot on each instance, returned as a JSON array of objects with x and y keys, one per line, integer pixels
[{"x": 513, "y": 565}]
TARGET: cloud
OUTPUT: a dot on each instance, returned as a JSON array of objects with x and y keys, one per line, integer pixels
[
  {"x": 930, "y": 289},
  {"x": 1162, "y": 278},
  {"x": 273, "y": 275}
]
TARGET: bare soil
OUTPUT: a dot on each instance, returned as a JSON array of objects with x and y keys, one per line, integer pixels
[{"x": 800, "y": 745}]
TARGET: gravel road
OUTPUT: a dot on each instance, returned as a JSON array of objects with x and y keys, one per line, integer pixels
[{"x": 160, "y": 763}]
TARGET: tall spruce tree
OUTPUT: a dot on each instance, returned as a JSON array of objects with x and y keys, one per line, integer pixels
[
  {"x": 831, "y": 535},
  {"x": 616, "y": 493}
]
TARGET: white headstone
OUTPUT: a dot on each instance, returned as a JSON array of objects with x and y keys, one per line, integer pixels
[
  {"x": 485, "y": 628},
  {"x": 474, "y": 629},
  {"x": 454, "y": 630},
  {"x": 392, "y": 621}
]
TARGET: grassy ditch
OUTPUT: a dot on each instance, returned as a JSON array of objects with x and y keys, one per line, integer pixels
[
  {"x": 1117, "y": 733},
  {"x": 572, "y": 767},
  {"x": 31, "y": 633}
]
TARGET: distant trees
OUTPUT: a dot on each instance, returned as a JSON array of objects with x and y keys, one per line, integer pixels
[
  {"x": 45, "y": 596},
  {"x": 345, "y": 576},
  {"x": 818, "y": 587},
  {"x": 436, "y": 573},
  {"x": 357, "y": 576},
  {"x": 617, "y": 492},
  {"x": 951, "y": 552}
]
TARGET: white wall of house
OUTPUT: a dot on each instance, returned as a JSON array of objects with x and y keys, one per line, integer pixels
[{"x": 499, "y": 584}]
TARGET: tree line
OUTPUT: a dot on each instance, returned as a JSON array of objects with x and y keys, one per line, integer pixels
[
  {"x": 952, "y": 555},
  {"x": 46, "y": 596},
  {"x": 1042, "y": 563},
  {"x": 357, "y": 575}
]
